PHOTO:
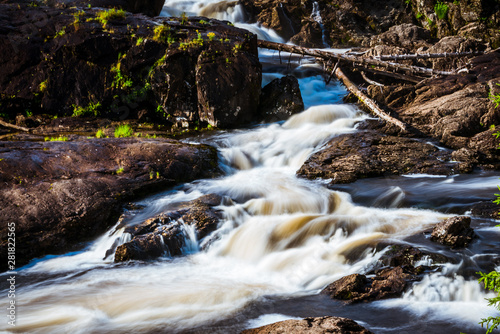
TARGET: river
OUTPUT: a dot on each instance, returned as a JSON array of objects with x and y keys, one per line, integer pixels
[{"x": 281, "y": 241}]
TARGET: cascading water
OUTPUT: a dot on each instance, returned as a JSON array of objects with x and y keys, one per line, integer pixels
[{"x": 281, "y": 240}]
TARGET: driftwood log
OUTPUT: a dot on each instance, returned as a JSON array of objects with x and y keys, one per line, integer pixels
[
  {"x": 8, "y": 125},
  {"x": 369, "y": 103},
  {"x": 355, "y": 60}
]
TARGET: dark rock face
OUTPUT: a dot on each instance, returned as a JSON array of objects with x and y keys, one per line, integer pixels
[
  {"x": 320, "y": 325},
  {"x": 164, "y": 234},
  {"x": 486, "y": 210},
  {"x": 63, "y": 193},
  {"x": 77, "y": 62},
  {"x": 455, "y": 232},
  {"x": 369, "y": 153},
  {"x": 407, "y": 36},
  {"x": 280, "y": 99}
]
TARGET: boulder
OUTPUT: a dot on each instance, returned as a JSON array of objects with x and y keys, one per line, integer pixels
[
  {"x": 486, "y": 210},
  {"x": 280, "y": 99},
  {"x": 388, "y": 283},
  {"x": 319, "y": 325},
  {"x": 455, "y": 232},
  {"x": 407, "y": 36},
  {"x": 349, "y": 157},
  {"x": 128, "y": 66},
  {"x": 62, "y": 193},
  {"x": 165, "y": 234}
]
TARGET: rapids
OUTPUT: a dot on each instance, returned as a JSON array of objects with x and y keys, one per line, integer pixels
[{"x": 282, "y": 239}]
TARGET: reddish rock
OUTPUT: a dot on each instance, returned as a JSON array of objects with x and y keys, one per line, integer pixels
[
  {"x": 455, "y": 232},
  {"x": 320, "y": 325}
]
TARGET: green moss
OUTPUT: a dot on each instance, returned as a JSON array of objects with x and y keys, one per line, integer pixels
[
  {"x": 100, "y": 134},
  {"x": 60, "y": 138},
  {"x": 42, "y": 87},
  {"x": 104, "y": 16}
]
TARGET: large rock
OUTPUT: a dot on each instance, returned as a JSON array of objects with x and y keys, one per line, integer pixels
[
  {"x": 407, "y": 36},
  {"x": 455, "y": 232},
  {"x": 363, "y": 154},
  {"x": 65, "y": 61},
  {"x": 388, "y": 283},
  {"x": 166, "y": 234},
  {"x": 280, "y": 99},
  {"x": 60, "y": 194},
  {"x": 320, "y": 325},
  {"x": 310, "y": 36}
]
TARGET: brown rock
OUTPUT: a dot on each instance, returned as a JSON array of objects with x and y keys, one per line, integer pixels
[
  {"x": 347, "y": 288},
  {"x": 455, "y": 232},
  {"x": 368, "y": 154},
  {"x": 320, "y": 325},
  {"x": 62, "y": 193},
  {"x": 280, "y": 99}
]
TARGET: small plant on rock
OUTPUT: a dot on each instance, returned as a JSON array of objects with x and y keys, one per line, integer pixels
[
  {"x": 441, "y": 9},
  {"x": 122, "y": 131},
  {"x": 100, "y": 134},
  {"x": 104, "y": 16}
]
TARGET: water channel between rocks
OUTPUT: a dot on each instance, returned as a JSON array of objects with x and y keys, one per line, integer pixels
[{"x": 282, "y": 239}]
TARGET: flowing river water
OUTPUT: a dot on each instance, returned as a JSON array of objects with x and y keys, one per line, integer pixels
[{"x": 282, "y": 238}]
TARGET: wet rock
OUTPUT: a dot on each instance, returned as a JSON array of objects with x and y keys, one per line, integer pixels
[
  {"x": 311, "y": 325},
  {"x": 166, "y": 234},
  {"x": 455, "y": 232},
  {"x": 228, "y": 87},
  {"x": 280, "y": 99},
  {"x": 388, "y": 282},
  {"x": 407, "y": 256},
  {"x": 368, "y": 153},
  {"x": 60, "y": 194},
  {"x": 310, "y": 35},
  {"x": 486, "y": 210},
  {"x": 347, "y": 288},
  {"x": 143, "y": 247},
  {"x": 122, "y": 68}
]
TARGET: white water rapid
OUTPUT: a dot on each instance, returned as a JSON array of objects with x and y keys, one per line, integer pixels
[{"x": 282, "y": 240}]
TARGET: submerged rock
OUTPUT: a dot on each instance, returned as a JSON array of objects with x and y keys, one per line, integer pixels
[
  {"x": 319, "y": 325},
  {"x": 165, "y": 234},
  {"x": 62, "y": 193},
  {"x": 455, "y": 232}
]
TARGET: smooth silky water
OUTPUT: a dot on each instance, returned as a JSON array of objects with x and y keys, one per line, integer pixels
[{"x": 281, "y": 240}]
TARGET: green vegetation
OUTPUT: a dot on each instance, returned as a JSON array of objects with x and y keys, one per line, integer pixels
[
  {"x": 140, "y": 40},
  {"x": 60, "y": 138},
  {"x": 203, "y": 22},
  {"x": 77, "y": 16},
  {"x": 441, "y": 9},
  {"x": 100, "y": 134},
  {"x": 495, "y": 98},
  {"x": 456, "y": 2},
  {"x": 91, "y": 109},
  {"x": 198, "y": 41},
  {"x": 491, "y": 280},
  {"x": 162, "y": 34},
  {"x": 60, "y": 33},
  {"x": 104, "y": 16},
  {"x": 120, "y": 80},
  {"x": 419, "y": 15},
  {"x": 211, "y": 36},
  {"x": 119, "y": 170},
  {"x": 122, "y": 131},
  {"x": 184, "y": 18},
  {"x": 42, "y": 87}
]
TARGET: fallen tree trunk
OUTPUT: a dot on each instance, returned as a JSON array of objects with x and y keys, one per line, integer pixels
[
  {"x": 369, "y": 103},
  {"x": 429, "y": 55},
  {"x": 8, "y": 125},
  {"x": 365, "y": 62}
]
